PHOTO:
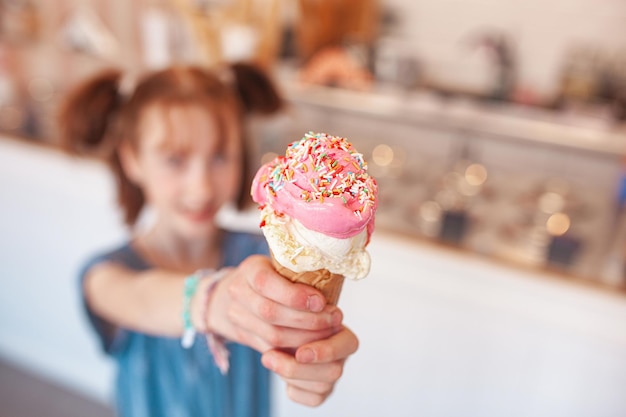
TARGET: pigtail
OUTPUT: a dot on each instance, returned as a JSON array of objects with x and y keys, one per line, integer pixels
[
  {"x": 130, "y": 197},
  {"x": 257, "y": 94},
  {"x": 88, "y": 119},
  {"x": 86, "y": 115},
  {"x": 255, "y": 89}
]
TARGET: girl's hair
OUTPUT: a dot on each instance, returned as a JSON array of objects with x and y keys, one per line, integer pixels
[{"x": 96, "y": 116}]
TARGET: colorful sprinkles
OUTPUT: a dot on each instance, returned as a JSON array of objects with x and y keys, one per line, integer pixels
[{"x": 334, "y": 168}]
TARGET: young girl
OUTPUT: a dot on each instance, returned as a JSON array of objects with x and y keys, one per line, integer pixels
[{"x": 176, "y": 145}]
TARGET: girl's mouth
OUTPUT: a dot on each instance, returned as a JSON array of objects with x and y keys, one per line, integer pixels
[{"x": 200, "y": 215}]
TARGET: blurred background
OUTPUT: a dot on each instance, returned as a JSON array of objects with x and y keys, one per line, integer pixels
[{"x": 495, "y": 128}]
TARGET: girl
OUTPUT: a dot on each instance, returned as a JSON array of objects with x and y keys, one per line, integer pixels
[{"x": 176, "y": 146}]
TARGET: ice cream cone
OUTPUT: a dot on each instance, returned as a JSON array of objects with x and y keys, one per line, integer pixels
[
  {"x": 317, "y": 206},
  {"x": 328, "y": 283}
]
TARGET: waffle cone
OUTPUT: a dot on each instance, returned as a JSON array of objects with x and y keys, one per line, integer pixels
[{"x": 328, "y": 283}]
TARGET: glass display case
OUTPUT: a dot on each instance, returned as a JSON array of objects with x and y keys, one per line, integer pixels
[{"x": 528, "y": 189}]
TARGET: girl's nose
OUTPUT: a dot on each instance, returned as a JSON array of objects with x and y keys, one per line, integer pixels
[{"x": 200, "y": 184}]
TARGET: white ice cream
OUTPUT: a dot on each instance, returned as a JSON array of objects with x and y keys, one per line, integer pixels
[{"x": 300, "y": 249}]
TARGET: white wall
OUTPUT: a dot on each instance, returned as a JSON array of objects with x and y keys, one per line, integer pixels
[
  {"x": 543, "y": 31},
  {"x": 54, "y": 212},
  {"x": 442, "y": 333}
]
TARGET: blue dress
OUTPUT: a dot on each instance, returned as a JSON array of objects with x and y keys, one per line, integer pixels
[{"x": 156, "y": 377}]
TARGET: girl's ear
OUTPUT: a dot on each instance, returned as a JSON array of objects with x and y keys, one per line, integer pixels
[{"x": 130, "y": 164}]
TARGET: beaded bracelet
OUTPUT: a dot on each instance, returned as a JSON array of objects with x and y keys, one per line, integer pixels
[
  {"x": 191, "y": 285},
  {"x": 216, "y": 343}
]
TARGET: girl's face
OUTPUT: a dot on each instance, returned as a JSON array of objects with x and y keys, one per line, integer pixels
[{"x": 187, "y": 165}]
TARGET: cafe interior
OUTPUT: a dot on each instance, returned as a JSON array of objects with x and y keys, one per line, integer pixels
[{"x": 495, "y": 129}]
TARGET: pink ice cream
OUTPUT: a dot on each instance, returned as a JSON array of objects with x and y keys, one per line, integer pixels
[{"x": 323, "y": 187}]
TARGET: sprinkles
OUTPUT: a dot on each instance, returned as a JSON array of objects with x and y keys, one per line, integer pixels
[{"x": 323, "y": 167}]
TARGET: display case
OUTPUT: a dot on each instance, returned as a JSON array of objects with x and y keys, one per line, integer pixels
[{"x": 531, "y": 187}]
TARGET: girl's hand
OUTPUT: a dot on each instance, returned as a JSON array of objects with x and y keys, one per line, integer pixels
[
  {"x": 311, "y": 375},
  {"x": 255, "y": 306}
]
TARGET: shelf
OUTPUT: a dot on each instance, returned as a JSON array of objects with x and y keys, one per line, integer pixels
[{"x": 510, "y": 122}]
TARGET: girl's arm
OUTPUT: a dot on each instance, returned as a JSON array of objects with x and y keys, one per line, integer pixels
[
  {"x": 149, "y": 301},
  {"x": 252, "y": 305}
]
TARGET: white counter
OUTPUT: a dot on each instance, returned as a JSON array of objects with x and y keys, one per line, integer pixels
[{"x": 442, "y": 333}]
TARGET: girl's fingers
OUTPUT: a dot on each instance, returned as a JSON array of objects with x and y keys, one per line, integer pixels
[
  {"x": 308, "y": 384},
  {"x": 268, "y": 296},
  {"x": 289, "y": 369},
  {"x": 278, "y": 314},
  {"x": 252, "y": 340},
  {"x": 316, "y": 387},
  {"x": 245, "y": 303},
  {"x": 336, "y": 347},
  {"x": 306, "y": 397},
  {"x": 272, "y": 335},
  {"x": 264, "y": 279}
]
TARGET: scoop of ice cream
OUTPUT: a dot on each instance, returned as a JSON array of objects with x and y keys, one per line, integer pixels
[
  {"x": 323, "y": 183},
  {"x": 300, "y": 249}
]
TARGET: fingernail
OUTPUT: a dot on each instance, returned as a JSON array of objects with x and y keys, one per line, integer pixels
[
  {"x": 315, "y": 303},
  {"x": 305, "y": 356}
]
